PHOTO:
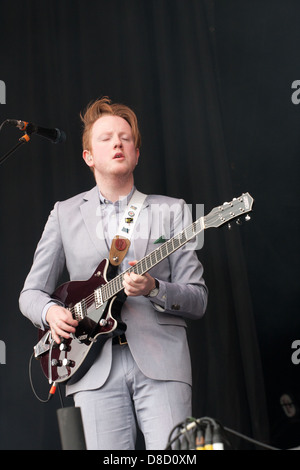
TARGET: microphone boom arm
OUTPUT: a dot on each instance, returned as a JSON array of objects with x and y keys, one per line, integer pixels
[{"x": 22, "y": 141}]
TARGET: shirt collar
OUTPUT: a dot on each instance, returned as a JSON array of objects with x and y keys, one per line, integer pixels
[{"x": 121, "y": 202}]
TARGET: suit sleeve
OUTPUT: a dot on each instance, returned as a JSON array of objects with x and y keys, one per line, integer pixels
[
  {"x": 185, "y": 292},
  {"x": 47, "y": 267}
]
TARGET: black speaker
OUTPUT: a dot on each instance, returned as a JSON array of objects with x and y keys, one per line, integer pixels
[{"x": 71, "y": 428}]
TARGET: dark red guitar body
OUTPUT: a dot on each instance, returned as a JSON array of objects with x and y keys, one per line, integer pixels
[{"x": 69, "y": 360}]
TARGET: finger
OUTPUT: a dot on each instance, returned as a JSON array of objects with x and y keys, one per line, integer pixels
[
  {"x": 127, "y": 287},
  {"x": 130, "y": 289},
  {"x": 61, "y": 329},
  {"x": 130, "y": 280},
  {"x": 55, "y": 336},
  {"x": 67, "y": 327},
  {"x": 67, "y": 318},
  {"x": 126, "y": 284},
  {"x": 136, "y": 278},
  {"x": 132, "y": 263}
]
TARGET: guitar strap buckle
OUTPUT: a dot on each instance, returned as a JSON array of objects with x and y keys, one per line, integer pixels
[{"x": 122, "y": 340}]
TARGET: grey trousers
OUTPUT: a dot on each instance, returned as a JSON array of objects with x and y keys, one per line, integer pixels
[{"x": 110, "y": 414}]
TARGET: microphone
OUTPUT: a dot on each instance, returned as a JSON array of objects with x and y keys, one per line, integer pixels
[{"x": 55, "y": 135}]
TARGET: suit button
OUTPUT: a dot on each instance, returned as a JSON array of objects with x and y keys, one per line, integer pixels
[{"x": 175, "y": 307}]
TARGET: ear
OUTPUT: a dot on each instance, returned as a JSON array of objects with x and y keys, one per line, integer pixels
[
  {"x": 137, "y": 155},
  {"x": 88, "y": 158}
]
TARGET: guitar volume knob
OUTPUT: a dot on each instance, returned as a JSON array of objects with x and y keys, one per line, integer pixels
[
  {"x": 55, "y": 363},
  {"x": 67, "y": 362}
]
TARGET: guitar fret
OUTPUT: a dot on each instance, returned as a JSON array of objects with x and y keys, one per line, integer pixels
[
  {"x": 176, "y": 243},
  {"x": 109, "y": 286},
  {"x": 164, "y": 250},
  {"x": 148, "y": 262},
  {"x": 120, "y": 282},
  {"x": 142, "y": 265},
  {"x": 169, "y": 246},
  {"x": 139, "y": 268},
  {"x": 112, "y": 287}
]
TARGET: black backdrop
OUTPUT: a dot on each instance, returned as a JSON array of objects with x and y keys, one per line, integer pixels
[{"x": 211, "y": 85}]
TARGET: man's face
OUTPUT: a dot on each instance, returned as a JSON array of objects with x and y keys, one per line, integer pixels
[{"x": 112, "y": 152}]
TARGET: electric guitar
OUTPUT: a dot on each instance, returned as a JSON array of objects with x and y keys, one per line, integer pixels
[{"x": 96, "y": 303}]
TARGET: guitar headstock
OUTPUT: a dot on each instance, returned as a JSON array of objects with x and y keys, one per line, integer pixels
[{"x": 229, "y": 211}]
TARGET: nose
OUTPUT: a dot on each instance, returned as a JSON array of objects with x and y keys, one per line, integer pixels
[{"x": 117, "y": 141}]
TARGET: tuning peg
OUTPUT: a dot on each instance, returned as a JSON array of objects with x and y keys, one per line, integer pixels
[
  {"x": 229, "y": 226},
  {"x": 247, "y": 218},
  {"x": 238, "y": 222}
]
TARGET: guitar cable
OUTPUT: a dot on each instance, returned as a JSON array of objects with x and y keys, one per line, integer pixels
[{"x": 52, "y": 390}]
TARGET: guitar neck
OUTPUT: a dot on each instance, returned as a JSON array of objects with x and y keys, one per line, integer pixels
[
  {"x": 152, "y": 259},
  {"x": 216, "y": 218}
]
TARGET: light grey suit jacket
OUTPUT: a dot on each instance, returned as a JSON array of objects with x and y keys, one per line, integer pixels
[{"x": 156, "y": 328}]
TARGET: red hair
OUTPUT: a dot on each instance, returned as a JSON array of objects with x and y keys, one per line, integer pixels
[{"x": 102, "y": 107}]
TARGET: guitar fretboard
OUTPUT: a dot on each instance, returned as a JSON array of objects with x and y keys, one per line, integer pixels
[{"x": 156, "y": 256}]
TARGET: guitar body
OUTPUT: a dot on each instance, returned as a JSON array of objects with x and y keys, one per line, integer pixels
[{"x": 70, "y": 360}]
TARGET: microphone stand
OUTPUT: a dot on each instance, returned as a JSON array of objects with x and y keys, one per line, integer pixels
[{"x": 22, "y": 141}]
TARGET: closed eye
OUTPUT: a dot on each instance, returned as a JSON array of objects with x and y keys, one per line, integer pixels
[
  {"x": 104, "y": 137},
  {"x": 125, "y": 137}
]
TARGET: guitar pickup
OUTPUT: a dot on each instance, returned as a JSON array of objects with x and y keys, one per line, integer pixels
[
  {"x": 80, "y": 310},
  {"x": 98, "y": 298}
]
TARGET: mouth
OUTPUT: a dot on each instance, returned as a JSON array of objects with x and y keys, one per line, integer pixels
[{"x": 118, "y": 156}]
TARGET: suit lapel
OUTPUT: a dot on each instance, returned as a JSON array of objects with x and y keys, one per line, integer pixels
[{"x": 91, "y": 215}]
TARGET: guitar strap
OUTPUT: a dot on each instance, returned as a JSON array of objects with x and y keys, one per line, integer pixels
[{"x": 121, "y": 242}]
